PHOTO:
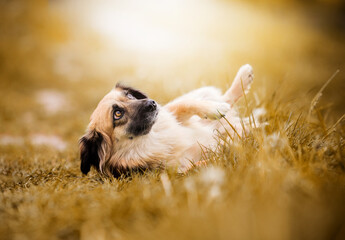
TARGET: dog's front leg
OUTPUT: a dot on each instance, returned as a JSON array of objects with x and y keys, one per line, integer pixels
[{"x": 184, "y": 110}]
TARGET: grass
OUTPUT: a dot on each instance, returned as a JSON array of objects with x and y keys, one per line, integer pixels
[{"x": 283, "y": 181}]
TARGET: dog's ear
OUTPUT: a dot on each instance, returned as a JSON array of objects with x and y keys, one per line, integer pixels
[
  {"x": 136, "y": 93},
  {"x": 90, "y": 150}
]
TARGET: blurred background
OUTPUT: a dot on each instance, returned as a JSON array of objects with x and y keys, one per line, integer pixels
[{"x": 58, "y": 58}]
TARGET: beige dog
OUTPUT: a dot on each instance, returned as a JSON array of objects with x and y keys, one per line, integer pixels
[{"x": 128, "y": 131}]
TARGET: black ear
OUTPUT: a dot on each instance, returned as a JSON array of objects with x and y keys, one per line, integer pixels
[
  {"x": 89, "y": 145},
  {"x": 135, "y": 93}
]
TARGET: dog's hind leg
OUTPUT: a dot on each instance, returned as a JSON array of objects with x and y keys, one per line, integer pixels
[
  {"x": 240, "y": 85},
  {"x": 207, "y": 102},
  {"x": 204, "y": 93}
]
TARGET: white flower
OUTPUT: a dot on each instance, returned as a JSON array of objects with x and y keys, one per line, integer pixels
[
  {"x": 214, "y": 178},
  {"x": 166, "y": 184},
  {"x": 52, "y": 101},
  {"x": 213, "y": 175},
  {"x": 189, "y": 184},
  {"x": 48, "y": 140},
  {"x": 275, "y": 140}
]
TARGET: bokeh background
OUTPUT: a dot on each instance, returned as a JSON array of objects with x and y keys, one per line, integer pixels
[{"x": 59, "y": 58}]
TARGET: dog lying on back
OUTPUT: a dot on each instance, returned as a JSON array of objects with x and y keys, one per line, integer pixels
[{"x": 129, "y": 131}]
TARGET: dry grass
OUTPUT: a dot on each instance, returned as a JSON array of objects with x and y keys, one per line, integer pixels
[{"x": 283, "y": 181}]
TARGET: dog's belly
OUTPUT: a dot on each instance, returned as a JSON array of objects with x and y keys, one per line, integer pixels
[
  {"x": 184, "y": 142},
  {"x": 201, "y": 137}
]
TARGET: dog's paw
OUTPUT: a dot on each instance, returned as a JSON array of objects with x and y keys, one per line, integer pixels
[
  {"x": 246, "y": 75},
  {"x": 217, "y": 110}
]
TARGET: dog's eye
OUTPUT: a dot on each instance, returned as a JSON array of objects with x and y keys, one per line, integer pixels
[{"x": 118, "y": 114}]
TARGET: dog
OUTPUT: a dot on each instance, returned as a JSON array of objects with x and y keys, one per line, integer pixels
[{"x": 128, "y": 131}]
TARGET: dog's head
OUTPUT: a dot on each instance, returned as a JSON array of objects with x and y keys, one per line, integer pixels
[{"x": 123, "y": 114}]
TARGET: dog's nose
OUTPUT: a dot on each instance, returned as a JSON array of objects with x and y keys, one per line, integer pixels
[{"x": 151, "y": 105}]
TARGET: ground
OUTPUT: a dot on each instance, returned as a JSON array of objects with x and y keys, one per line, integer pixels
[{"x": 285, "y": 180}]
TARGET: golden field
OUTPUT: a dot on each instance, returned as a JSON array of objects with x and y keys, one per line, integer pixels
[{"x": 285, "y": 180}]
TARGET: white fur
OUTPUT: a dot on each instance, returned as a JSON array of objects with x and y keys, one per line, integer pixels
[
  {"x": 179, "y": 144},
  {"x": 182, "y": 127}
]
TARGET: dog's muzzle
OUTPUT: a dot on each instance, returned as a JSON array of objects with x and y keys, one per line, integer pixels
[
  {"x": 150, "y": 106},
  {"x": 144, "y": 119}
]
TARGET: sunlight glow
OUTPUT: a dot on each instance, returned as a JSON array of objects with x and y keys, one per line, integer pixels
[
  {"x": 154, "y": 26},
  {"x": 183, "y": 42},
  {"x": 132, "y": 33}
]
